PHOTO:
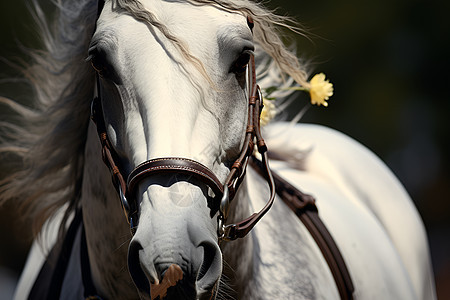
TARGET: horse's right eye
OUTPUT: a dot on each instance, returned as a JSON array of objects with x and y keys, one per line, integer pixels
[
  {"x": 99, "y": 66},
  {"x": 99, "y": 63}
]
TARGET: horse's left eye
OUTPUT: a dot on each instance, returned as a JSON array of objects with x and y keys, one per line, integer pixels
[{"x": 240, "y": 64}]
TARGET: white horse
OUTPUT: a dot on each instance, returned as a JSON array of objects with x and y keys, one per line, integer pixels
[{"x": 172, "y": 80}]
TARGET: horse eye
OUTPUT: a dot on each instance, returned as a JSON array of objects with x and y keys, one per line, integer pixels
[
  {"x": 99, "y": 63},
  {"x": 240, "y": 65}
]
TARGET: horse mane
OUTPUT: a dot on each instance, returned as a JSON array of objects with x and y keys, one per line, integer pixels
[{"x": 50, "y": 136}]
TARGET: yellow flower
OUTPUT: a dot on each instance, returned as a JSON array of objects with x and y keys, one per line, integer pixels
[
  {"x": 268, "y": 112},
  {"x": 320, "y": 90}
]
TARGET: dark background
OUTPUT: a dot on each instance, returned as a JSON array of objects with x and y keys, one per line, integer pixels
[{"x": 389, "y": 64}]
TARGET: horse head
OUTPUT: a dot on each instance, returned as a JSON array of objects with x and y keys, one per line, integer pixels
[{"x": 173, "y": 93}]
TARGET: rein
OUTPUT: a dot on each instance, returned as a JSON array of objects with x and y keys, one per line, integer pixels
[{"x": 224, "y": 191}]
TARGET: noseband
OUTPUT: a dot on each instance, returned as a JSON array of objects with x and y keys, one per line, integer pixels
[{"x": 178, "y": 165}]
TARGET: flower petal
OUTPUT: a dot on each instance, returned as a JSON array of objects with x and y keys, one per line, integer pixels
[
  {"x": 320, "y": 90},
  {"x": 268, "y": 112}
]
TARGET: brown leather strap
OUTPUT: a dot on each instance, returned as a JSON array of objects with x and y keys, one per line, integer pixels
[
  {"x": 304, "y": 207},
  {"x": 174, "y": 165},
  {"x": 241, "y": 229},
  {"x": 110, "y": 159},
  {"x": 237, "y": 171}
]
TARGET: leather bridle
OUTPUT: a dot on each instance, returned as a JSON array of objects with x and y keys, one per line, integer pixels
[
  {"x": 225, "y": 191},
  {"x": 302, "y": 204}
]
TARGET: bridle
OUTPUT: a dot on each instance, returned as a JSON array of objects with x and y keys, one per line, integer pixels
[
  {"x": 178, "y": 165},
  {"x": 301, "y": 204}
]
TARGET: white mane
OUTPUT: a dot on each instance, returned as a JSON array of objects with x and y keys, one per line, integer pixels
[{"x": 50, "y": 139}]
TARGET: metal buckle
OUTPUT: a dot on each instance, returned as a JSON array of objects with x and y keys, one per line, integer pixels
[
  {"x": 125, "y": 204},
  {"x": 225, "y": 202},
  {"x": 126, "y": 211},
  {"x": 223, "y": 213},
  {"x": 260, "y": 97}
]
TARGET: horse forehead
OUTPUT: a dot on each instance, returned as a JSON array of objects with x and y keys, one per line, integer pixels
[
  {"x": 188, "y": 15},
  {"x": 194, "y": 24}
]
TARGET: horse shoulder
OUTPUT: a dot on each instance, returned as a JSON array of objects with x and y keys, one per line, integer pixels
[
  {"x": 37, "y": 255},
  {"x": 287, "y": 264},
  {"x": 334, "y": 167}
]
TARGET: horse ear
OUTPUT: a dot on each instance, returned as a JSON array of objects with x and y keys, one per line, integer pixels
[{"x": 250, "y": 22}]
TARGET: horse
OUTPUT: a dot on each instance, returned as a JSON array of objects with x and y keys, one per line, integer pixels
[{"x": 176, "y": 106}]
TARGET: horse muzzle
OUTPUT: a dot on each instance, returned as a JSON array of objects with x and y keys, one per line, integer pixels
[
  {"x": 175, "y": 276},
  {"x": 174, "y": 253}
]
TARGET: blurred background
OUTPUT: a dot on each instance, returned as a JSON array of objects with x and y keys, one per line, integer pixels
[{"x": 388, "y": 60}]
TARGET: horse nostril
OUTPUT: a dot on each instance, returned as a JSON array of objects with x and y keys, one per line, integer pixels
[
  {"x": 140, "y": 277},
  {"x": 211, "y": 268}
]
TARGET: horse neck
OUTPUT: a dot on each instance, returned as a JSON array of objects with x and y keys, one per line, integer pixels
[
  {"x": 107, "y": 232},
  {"x": 238, "y": 255}
]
